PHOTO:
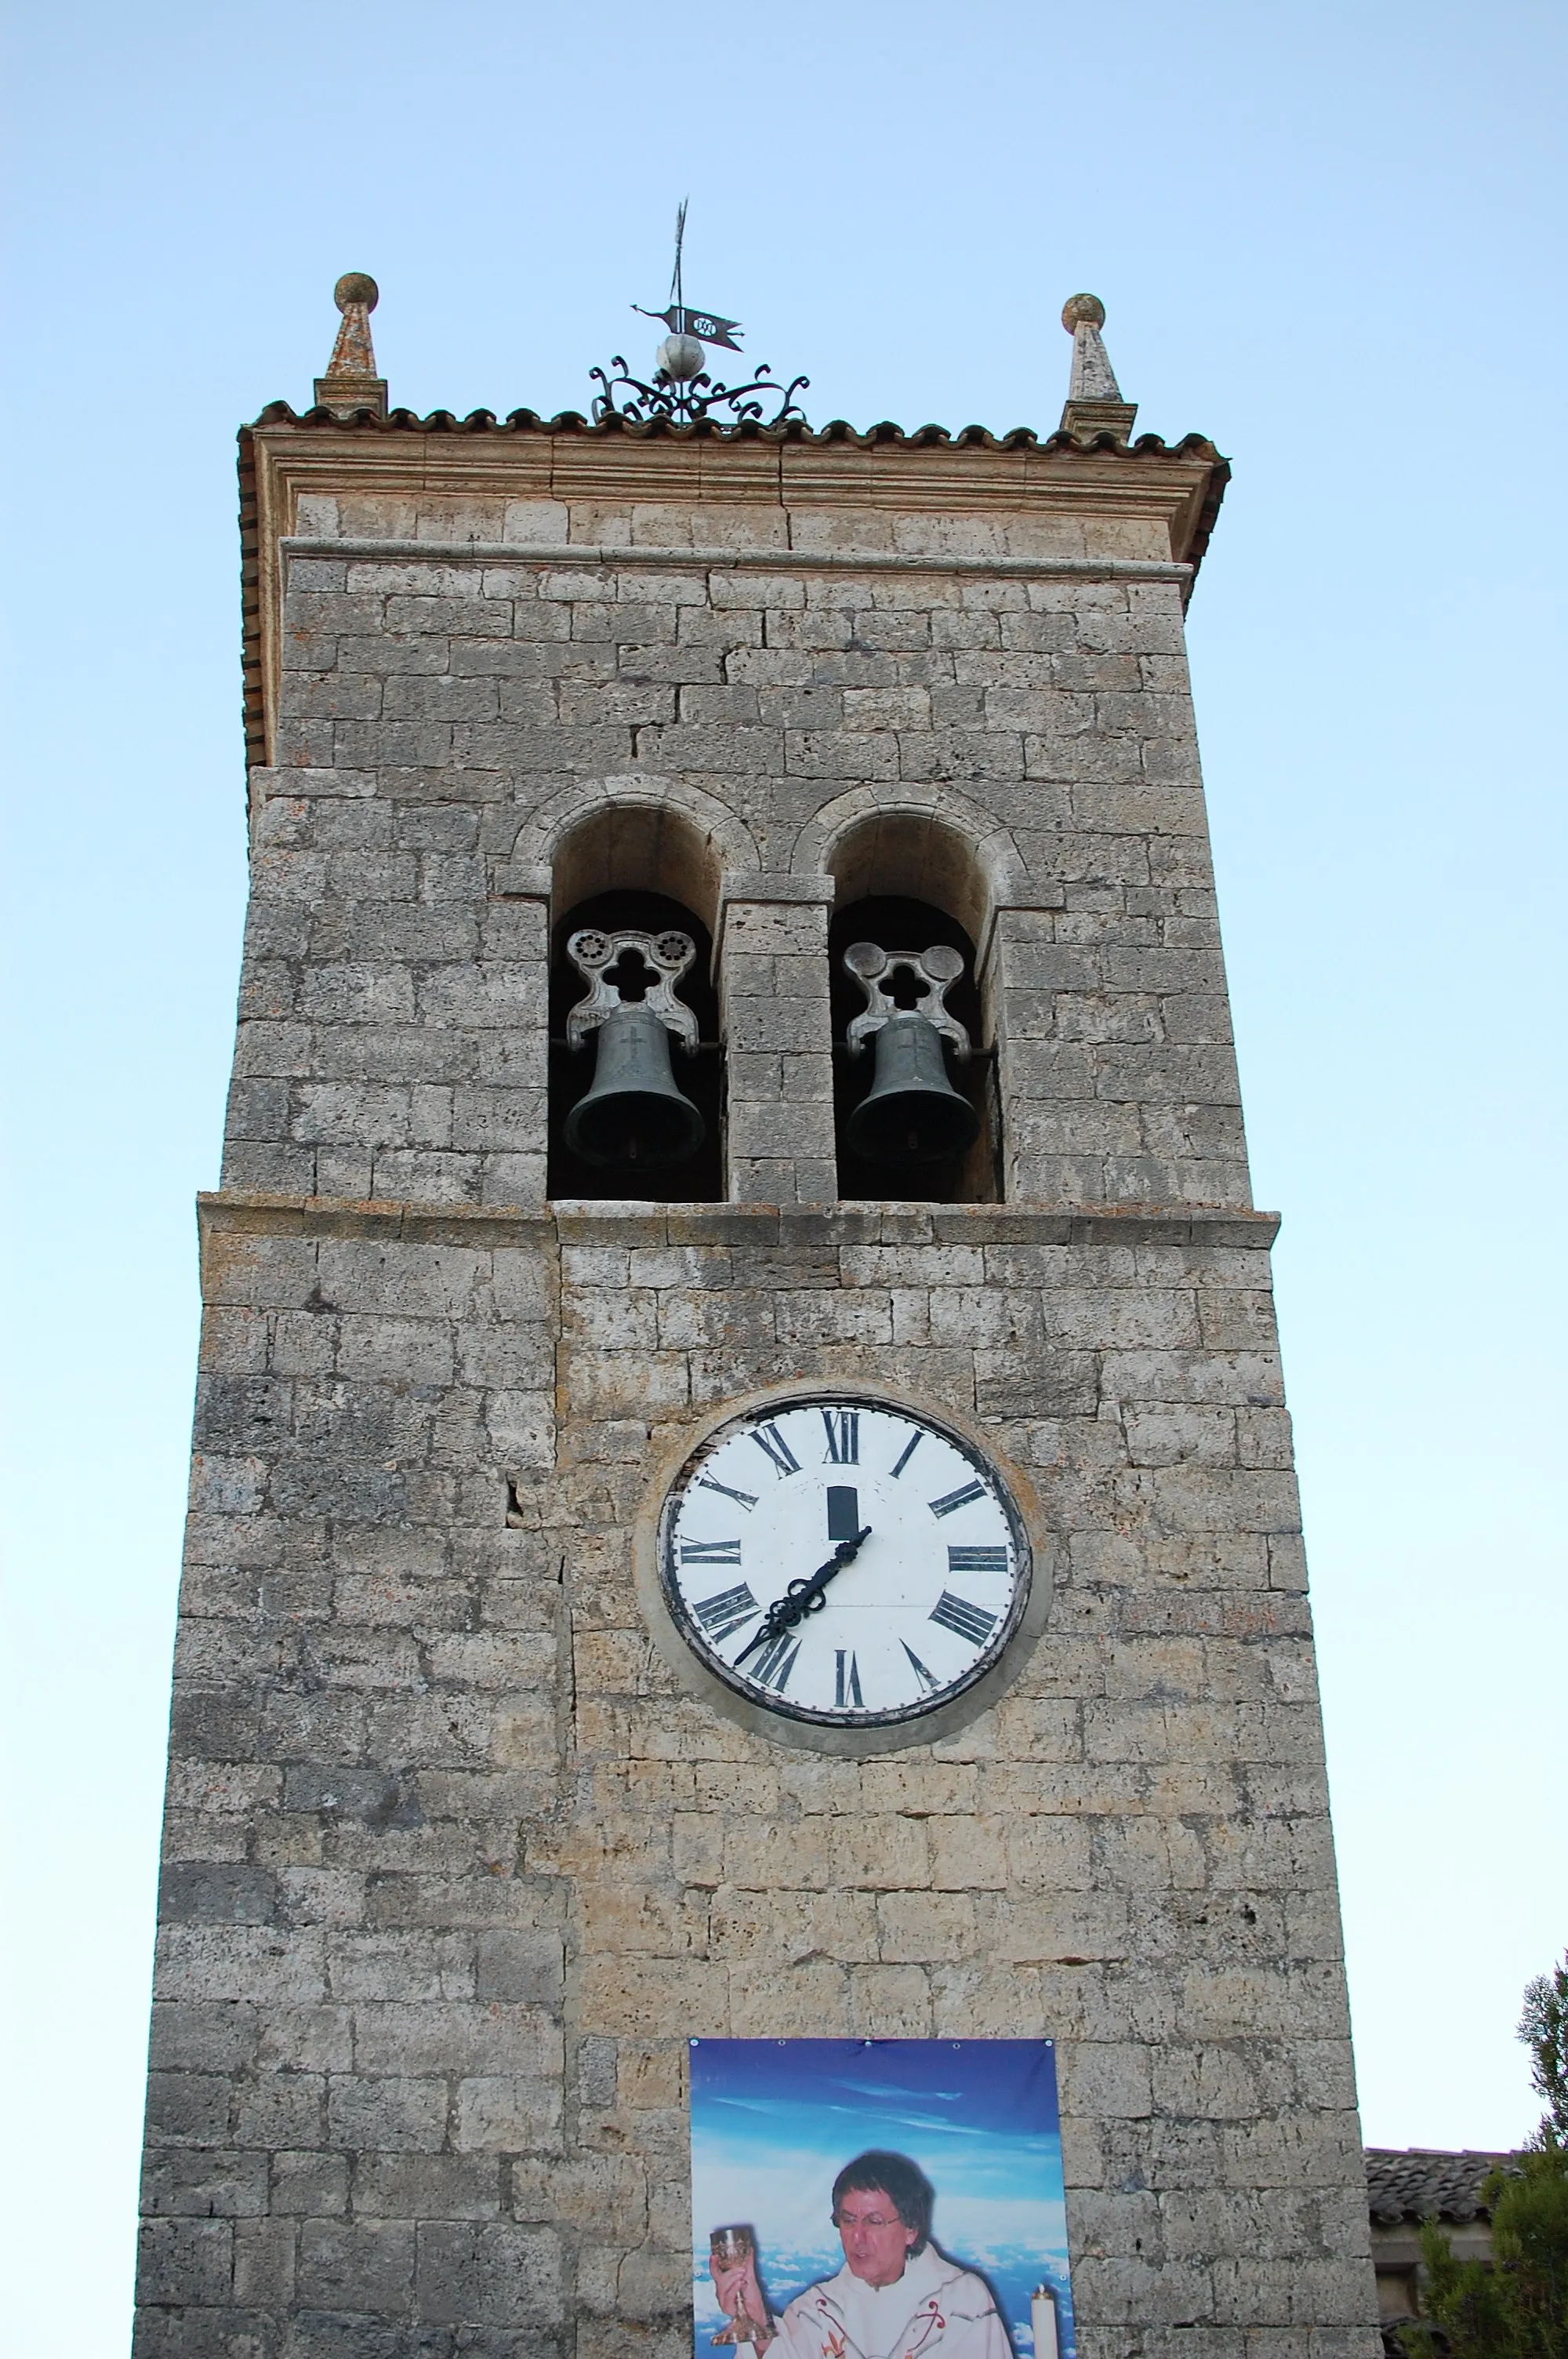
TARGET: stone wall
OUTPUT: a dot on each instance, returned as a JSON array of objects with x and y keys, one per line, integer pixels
[{"x": 456, "y": 1867}]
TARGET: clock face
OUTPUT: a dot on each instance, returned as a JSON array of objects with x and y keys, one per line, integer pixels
[{"x": 844, "y": 1562}]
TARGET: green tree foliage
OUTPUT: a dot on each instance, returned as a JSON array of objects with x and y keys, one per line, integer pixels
[
  {"x": 1543, "y": 2028},
  {"x": 1518, "y": 2307}
]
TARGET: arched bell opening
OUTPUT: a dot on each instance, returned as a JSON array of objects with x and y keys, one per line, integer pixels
[
  {"x": 914, "y": 1097},
  {"x": 650, "y": 849},
  {"x": 636, "y": 1069},
  {"x": 917, "y": 857}
]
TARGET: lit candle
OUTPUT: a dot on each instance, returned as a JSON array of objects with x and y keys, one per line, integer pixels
[{"x": 1043, "y": 2318}]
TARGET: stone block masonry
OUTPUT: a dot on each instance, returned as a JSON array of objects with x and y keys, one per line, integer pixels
[{"x": 439, "y": 716}]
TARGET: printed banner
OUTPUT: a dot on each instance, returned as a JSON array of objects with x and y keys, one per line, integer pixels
[{"x": 878, "y": 2199}]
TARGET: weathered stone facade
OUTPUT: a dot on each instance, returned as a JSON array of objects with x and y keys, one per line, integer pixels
[{"x": 456, "y": 1860}]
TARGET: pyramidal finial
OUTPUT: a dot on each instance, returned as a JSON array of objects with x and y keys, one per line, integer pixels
[
  {"x": 350, "y": 381},
  {"x": 1094, "y": 403}
]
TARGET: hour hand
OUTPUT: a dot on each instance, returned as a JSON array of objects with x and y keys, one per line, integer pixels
[{"x": 803, "y": 1597}]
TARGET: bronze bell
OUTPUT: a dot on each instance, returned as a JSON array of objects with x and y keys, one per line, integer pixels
[
  {"x": 911, "y": 1113},
  {"x": 633, "y": 1112}
]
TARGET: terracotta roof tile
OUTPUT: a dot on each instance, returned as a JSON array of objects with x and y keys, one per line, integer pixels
[
  {"x": 1427, "y": 2183},
  {"x": 748, "y": 429}
]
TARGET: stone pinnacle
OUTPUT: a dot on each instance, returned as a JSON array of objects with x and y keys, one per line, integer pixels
[
  {"x": 350, "y": 381},
  {"x": 1094, "y": 404}
]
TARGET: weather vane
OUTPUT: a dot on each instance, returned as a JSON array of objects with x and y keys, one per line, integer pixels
[
  {"x": 682, "y": 389},
  {"x": 704, "y": 327}
]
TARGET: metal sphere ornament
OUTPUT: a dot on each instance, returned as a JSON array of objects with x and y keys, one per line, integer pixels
[{"x": 681, "y": 358}]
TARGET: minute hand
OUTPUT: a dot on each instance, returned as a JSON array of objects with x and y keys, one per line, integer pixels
[{"x": 803, "y": 1597}]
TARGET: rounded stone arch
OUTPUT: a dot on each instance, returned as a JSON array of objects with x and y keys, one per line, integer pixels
[
  {"x": 648, "y": 855},
  {"x": 650, "y": 833},
  {"x": 912, "y": 872},
  {"x": 943, "y": 849}
]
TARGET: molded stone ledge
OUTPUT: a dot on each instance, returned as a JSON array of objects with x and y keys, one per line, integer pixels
[
  {"x": 602, "y": 1220},
  {"x": 396, "y": 550},
  {"x": 518, "y": 880},
  {"x": 235, "y": 1210}
]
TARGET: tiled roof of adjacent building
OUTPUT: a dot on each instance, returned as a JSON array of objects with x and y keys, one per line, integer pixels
[{"x": 1427, "y": 2183}]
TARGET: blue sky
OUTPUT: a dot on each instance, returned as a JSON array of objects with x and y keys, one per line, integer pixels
[{"x": 1327, "y": 235}]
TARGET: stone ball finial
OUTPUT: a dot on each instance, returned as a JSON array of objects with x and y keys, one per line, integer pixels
[
  {"x": 1083, "y": 311},
  {"x": 356, "y": 287}
]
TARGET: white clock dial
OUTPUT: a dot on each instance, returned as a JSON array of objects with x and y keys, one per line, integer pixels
[{"x": 842, "y": 1560}]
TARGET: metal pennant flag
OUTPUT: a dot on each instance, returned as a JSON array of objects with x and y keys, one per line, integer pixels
[{"x": 682, "y": 320}]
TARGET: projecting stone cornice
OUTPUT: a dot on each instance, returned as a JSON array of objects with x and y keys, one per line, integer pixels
[{"x": 1180, "y": 484}]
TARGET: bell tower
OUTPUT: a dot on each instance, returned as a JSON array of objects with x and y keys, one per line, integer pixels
[{"x": 741, "y": 1488}]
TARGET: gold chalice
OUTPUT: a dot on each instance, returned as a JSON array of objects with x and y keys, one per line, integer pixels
[{"x": 730, "y": 2248}]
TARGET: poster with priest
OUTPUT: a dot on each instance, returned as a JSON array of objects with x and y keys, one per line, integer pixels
[{"x": 878, "y": 2199}]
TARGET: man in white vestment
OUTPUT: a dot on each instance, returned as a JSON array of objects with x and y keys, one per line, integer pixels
[{"x": 896, "y": 2297}]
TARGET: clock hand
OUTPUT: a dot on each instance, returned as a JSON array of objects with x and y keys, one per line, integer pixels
[{"x": 803, "y": 1597}]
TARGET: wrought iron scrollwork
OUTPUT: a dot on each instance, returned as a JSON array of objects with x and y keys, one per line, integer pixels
[{"x": 683, "y": 399}]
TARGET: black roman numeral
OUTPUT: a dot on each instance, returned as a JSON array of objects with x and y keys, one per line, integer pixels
[
  {"x": 776, "y": 1661},
  {"x": 928, "y": 1679},
  {"x": 770, "y": 1441},
  {"x": 846, "y": 1684},
  {"x": 711, "y": 1552},
  {"x": 952, "y": 1500},
  {"x": 726, "y": 1611},
  {"x": 909, "y": 1447},
  {"x": 965, "y": 1621},
  {"x": 843, "y": 1427},
  {"x": 977, "y": 1559},
  {"x": 747, "y": 1499}
]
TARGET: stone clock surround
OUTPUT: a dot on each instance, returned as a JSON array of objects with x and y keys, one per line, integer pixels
[
  {"x": 855, "y": 1743},
  {"x": 456, "y": 1862}
]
